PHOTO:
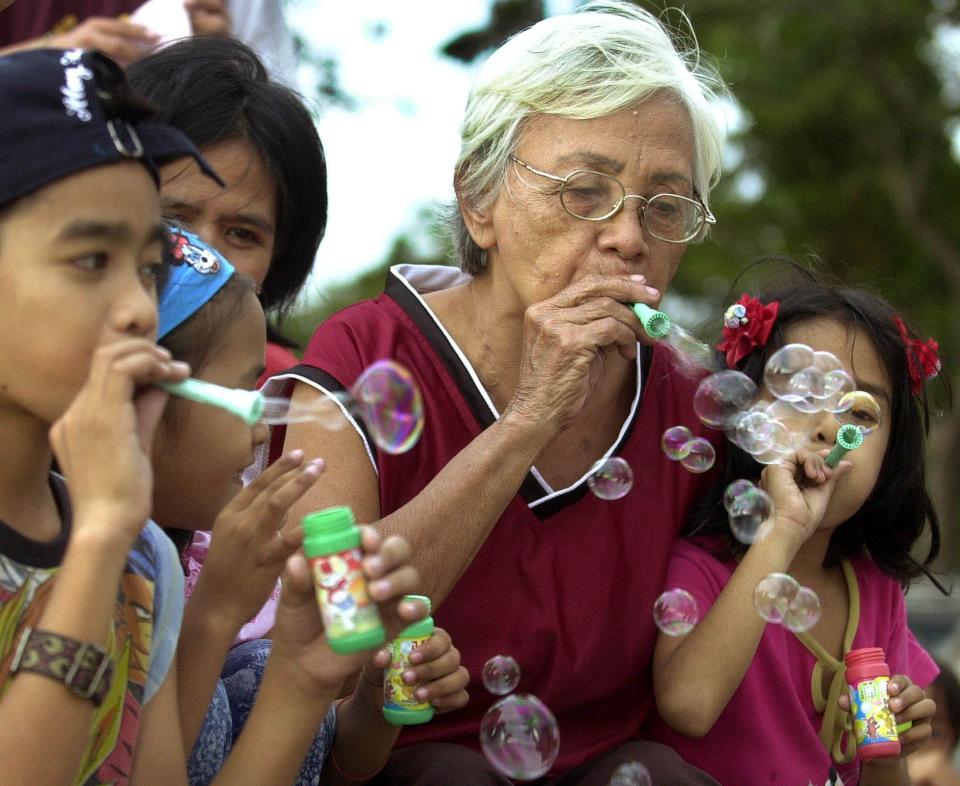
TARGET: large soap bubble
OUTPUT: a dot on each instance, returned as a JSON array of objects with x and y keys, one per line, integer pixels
[
  {"x": 611, "y": 478},
  {"x": 721, "y": 397},
  {"x": 782, "y": 365},
  {"x": 520, "y": 738},
  {"x": 861, "y": 409},
  {"x": 676, "y": 613},
  {"x": 389, "y": 402}
]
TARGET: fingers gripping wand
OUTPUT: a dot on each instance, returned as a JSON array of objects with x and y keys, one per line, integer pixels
[{"x": 849, "y": 437}]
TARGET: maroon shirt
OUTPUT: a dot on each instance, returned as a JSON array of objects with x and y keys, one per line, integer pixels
[
  {"x": 565, "y": 582},
  {"x": 27, "y": 19}
]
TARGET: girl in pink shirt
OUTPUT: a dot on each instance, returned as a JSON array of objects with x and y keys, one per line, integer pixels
[{"x": 752, "y": 703}]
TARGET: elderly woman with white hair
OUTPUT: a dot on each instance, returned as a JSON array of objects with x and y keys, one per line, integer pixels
[{"x": 589, "y": 150}]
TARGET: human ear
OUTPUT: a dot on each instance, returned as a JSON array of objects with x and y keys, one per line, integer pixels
[{"x": 478, "y": 220}]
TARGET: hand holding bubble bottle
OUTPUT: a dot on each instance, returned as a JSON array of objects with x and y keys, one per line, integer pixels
[{"x": 385, "y": 397}]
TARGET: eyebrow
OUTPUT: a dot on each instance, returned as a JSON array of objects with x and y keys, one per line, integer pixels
[
  {"x": 118, "y": 232},
  {"x": 596, "y": 159},
  {"x": 253, "y": 219}
]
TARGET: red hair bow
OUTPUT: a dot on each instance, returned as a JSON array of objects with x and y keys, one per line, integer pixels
[
  {"x": 923, "y": 362},
  {"x": 746, "y": 325}
]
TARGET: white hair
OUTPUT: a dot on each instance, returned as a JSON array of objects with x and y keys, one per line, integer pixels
[{"x": 607, "y": 56}]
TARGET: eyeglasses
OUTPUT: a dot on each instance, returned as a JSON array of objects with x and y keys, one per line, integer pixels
[{"x": 594, "y": 196}]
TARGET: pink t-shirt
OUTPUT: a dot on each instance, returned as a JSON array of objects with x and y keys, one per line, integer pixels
[{"x": 769, "y": 732}]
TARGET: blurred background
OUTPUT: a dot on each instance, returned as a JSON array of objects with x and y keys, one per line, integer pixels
[{"x": 844, "y": 142}]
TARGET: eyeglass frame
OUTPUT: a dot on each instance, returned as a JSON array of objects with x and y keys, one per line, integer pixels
[{"x": 707, "y": 217}]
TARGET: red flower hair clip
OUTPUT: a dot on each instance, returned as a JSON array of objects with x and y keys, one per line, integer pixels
[
  {"x": 922, "y": 359},
  {"x": 746, "y": 325}
]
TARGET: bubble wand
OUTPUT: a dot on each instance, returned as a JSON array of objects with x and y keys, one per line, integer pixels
[
  {"x": 656, "y": 323},
  {"x": 849, "y": 437}
]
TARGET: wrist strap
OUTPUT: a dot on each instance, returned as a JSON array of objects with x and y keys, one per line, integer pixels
[{"x": 84, "y": 668}]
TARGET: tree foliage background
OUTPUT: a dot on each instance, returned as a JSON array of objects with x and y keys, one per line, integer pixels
[{"x": 844, "y": 150}]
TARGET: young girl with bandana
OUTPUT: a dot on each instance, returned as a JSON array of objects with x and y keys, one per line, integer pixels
[
  {"x": 209, "y": 315},
  {"x": 90, "y": 590},
  {"x": 750, "y": 702}
]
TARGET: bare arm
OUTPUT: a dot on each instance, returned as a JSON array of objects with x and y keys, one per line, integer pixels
[{"x": 884, "y": 772}]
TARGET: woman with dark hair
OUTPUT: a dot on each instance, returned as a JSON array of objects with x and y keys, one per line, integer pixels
[{"x": 261, "y": 140}]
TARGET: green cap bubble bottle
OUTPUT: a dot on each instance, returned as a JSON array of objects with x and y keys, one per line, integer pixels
[
  {"x": 400, "y": 706},
  {"x": 332, "y": 546}
]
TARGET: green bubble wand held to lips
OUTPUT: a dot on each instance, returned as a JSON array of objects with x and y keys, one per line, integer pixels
[
  {"x": 655, "y": 323},
  {"x": 248, "y": 405},
  {"x": 849, "y": 437}
]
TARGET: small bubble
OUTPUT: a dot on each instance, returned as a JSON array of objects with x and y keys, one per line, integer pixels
[
  {"x": 675, "y": 442},
  {"x": 751, "y": 516},
  {"x": 675, "y": 612},
  {"x": 700, "y": 455},
  {"x": 633, "y": 773},
  {"x": 611, "y": 478},
  {"x": 781, "y": 367},
  {"x": 734, "y": 490},
  {"x": 773, "y": 594},
  {"x": 721, "y": 397},
  {"x": 501, "y": 675},
  {"x": 803, "y": 611},
  {"x": 388, "y": 400}
]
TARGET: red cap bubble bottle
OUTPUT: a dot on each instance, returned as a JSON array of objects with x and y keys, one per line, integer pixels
[
  {"x": 400, "y": 706},
  {"x": 332, "y": 546},
  {"x": 874, "y": 724}
]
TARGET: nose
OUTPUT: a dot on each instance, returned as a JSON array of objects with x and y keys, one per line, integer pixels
[
  {"x": 825, "y": 429},
  {"x": 624, "y": 232},
  {"x": 135, "y": 308}
]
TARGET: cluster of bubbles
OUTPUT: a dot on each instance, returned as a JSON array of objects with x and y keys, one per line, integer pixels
[
  {"x": 694, "y": 453},
  {"x": 518, "y": 734},
  {"x": 780, "y": 599},
  {"x": 749, "y": 510},
  {"x": 385, "y": 398},
  {"x": 633, "y": 773},
  {"x": 676, "y": 612},
  {"x": 610, "y": 478},
  {"x": 803, "y": 383}
]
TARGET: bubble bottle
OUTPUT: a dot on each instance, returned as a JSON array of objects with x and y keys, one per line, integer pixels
[
  {"x": 400, "y": 706},
  {"x": 874, "y": 725},
  {"x": 332, "y": 546}
]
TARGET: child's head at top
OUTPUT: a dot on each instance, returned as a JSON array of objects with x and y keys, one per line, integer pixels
[
  {"x": 881, "y": 506},
  {"x": 261, "y": 139},
  {"x": 209, "y": 317},
  {"x": 82, "y": 245}
]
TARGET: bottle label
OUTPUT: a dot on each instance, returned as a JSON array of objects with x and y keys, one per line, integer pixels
[
  {"x": 873, "y": 720},
  {"x": 396, "y": 693},
  {"x": 342, "y": 594}
]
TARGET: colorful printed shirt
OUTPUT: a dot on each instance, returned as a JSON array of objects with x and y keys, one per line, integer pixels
[
  {"x": 781, "y": 727},
  {"x": 566, "y": 581},
  {"x": 142, "y": 642}
]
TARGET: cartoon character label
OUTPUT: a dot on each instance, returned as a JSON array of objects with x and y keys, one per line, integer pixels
[
  {"x": 396, "y": 693},
  {"x": 873, "y": 721},
  {"x": 342, "y": 594}
]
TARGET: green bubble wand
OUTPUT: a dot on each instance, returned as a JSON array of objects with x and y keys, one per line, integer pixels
[
  {"x": 656, "y": 323},
  {"x": 849, "y": 437}
]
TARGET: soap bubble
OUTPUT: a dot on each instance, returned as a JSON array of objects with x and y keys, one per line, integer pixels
[
  {"x": 782, "y": 444},
  {"x": 501, "y": 675},
  {"x": 734, "y": 490},
  {"x": 781, "y": 367},
  {"x": 700, "y": 456},
  {"x": 751, "y": 515},
  {"x": 773, "y": 594},
  {"x": 859, "y": 408},
  {"x": 675, "y": 612},
  {"x": 520, "y": 737},
  {"x": 840, "y": 383},
  {"x": 388, "y": 400},
  {"x": 807, "y": 383},
  {"x": 692, "y": 357},
  {"x": 803, "y": 611},
  {"x": 611, "y": 478},
  {"x": 633, "y": 773},
  {"x": 826, "y": 362},
  {"x": 721, "y": 397},
  {"x": 674, "y": 442},
  {"x": 751, "y": 431}
]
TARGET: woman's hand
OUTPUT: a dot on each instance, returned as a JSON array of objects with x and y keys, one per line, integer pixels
[
  {"x": 298, "y": 636},
  {"x": 123, "y": 41},
  {"x": 800, "y": 487},
  {"x": 208, "y": 17},
  {"x": 103, "y": 441},
  {"x": 249, "y": 544},
  {"x": 566, "y": 339}
]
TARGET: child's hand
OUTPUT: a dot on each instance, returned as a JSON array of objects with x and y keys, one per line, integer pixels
[
  {"x": 800, "y": 487},
  {"x": 102, "y": 442},
  {"x": 298, "y": 637},
  {"x": 249, "y": 544},
  {"x": 908, "y": 702},
  {"x": 436, "y": 669}
]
